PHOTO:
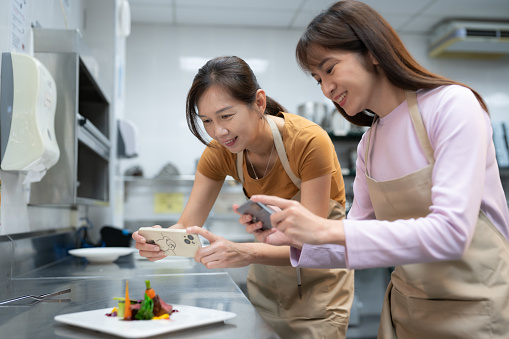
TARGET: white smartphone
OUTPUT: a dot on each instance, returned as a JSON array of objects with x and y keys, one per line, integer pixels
[
  {"x": 174, "y": 242},
  {"x": 259, "y": 212}
]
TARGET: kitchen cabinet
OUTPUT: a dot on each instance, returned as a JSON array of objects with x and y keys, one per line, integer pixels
[{"x": 81, "y": 176}]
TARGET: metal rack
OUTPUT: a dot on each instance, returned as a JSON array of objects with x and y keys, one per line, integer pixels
[{"x": 82, "y": 129}]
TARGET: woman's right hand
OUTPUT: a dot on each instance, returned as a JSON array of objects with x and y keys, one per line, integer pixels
[
  {"x": 151, "y": 252},
  {"x": 271, "y": 236}
]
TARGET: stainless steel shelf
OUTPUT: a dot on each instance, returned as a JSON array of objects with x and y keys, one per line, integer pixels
[{"x": 81, "y": 175}]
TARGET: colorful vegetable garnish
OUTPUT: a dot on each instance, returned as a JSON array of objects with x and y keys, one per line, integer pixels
[
  {"x": 127, "y": 303},
  {"x": 149, "y": 291},
  {"x": 121, "y": 309},
  {"x": 164, "y": 316},
  {"x": 152, "y": 307},
  {"x": 145, "y": 311}
]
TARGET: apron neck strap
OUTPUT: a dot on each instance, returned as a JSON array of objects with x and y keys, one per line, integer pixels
[
  {"x": 280, "y": 148},
  {"x": 366, "y": 151},
  {"x": 240, "y": 172},
  {"x": 411, "y": 98},
  {"x": 416, "y": 117}
]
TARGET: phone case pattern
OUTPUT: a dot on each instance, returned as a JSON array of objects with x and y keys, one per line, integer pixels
[{"x": 172, "y": 243}]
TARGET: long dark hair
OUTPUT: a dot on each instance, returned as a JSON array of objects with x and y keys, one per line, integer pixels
[
  {"x": 231, "y": 74},
  {"x": 351, "y": 25}
]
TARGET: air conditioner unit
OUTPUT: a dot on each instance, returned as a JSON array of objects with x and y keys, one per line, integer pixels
[{"x": 470, "y": 39}]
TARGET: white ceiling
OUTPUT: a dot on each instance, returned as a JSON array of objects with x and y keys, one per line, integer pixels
[{"x": 406, "y": 16}]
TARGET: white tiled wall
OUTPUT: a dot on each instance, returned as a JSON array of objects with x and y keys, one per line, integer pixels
[{"x": 157, "y": 83}]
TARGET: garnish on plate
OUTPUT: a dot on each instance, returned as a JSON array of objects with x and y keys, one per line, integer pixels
[{"x": 151, "y": 307}]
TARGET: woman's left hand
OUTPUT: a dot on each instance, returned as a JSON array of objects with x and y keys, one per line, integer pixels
[
  {"x": 221, "y": 253},
  {"x": 270, "y": 236}
]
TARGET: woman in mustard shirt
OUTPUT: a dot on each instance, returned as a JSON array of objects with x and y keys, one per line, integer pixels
[{"x": 272, "y": 152}]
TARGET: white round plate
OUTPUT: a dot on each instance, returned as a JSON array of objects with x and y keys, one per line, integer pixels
[{"x": 102, "y": 254}]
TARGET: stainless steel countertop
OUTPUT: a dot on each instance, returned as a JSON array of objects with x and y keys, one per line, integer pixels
[{"x": 93, "y": 287}]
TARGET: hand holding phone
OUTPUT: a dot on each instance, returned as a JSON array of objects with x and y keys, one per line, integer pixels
[
  {"x": 259, "y": 212},
  {"x": 173, "y": 241}
]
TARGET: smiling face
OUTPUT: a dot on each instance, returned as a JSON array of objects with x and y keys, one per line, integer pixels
[
  {"x": 230, "y": 122},
  {"x": 347, "y": 78}
]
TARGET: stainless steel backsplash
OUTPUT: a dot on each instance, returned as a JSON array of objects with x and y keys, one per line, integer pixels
[{"x": 27, "y": 252}]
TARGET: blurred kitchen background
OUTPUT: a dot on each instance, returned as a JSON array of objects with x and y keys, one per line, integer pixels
[{"x": 123, "y": 68}]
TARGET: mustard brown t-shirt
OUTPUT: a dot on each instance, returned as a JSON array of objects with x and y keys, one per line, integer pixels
[{"x": 310, "y": 153}]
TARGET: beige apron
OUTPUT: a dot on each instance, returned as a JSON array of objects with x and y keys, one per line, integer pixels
[
  {"x": 327, "y": 294},
  {"x": 467, "y": 298}
]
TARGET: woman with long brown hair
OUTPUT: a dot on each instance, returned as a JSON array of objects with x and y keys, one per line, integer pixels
[
  {"x": 268, "y": 151},
  {"x": 428, "y": 198}
]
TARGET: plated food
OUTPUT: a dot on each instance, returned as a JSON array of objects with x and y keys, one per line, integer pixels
[
  {"x": 149, "y": 316},
  {"x": 151, "y": 307}
]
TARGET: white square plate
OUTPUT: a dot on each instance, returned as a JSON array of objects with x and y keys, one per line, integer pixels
[{"x": 186, "y": 317}]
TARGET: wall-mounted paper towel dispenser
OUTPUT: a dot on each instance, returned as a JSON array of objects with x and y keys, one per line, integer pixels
[{"x": 27, "y": 116}]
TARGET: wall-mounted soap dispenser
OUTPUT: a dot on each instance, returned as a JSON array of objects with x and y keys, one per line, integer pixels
[{"x": 27, "y": 116}]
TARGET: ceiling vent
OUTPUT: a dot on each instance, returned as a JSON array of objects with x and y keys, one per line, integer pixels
[{"x": 470, "y": 39}]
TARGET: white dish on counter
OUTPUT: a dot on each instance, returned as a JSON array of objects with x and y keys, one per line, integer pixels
[
  {"x": 102, "y": 255},
  {"x": 186, "y": 317}
]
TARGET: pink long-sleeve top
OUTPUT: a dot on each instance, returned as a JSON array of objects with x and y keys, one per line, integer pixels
[{"x": 465, "y": 179}]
